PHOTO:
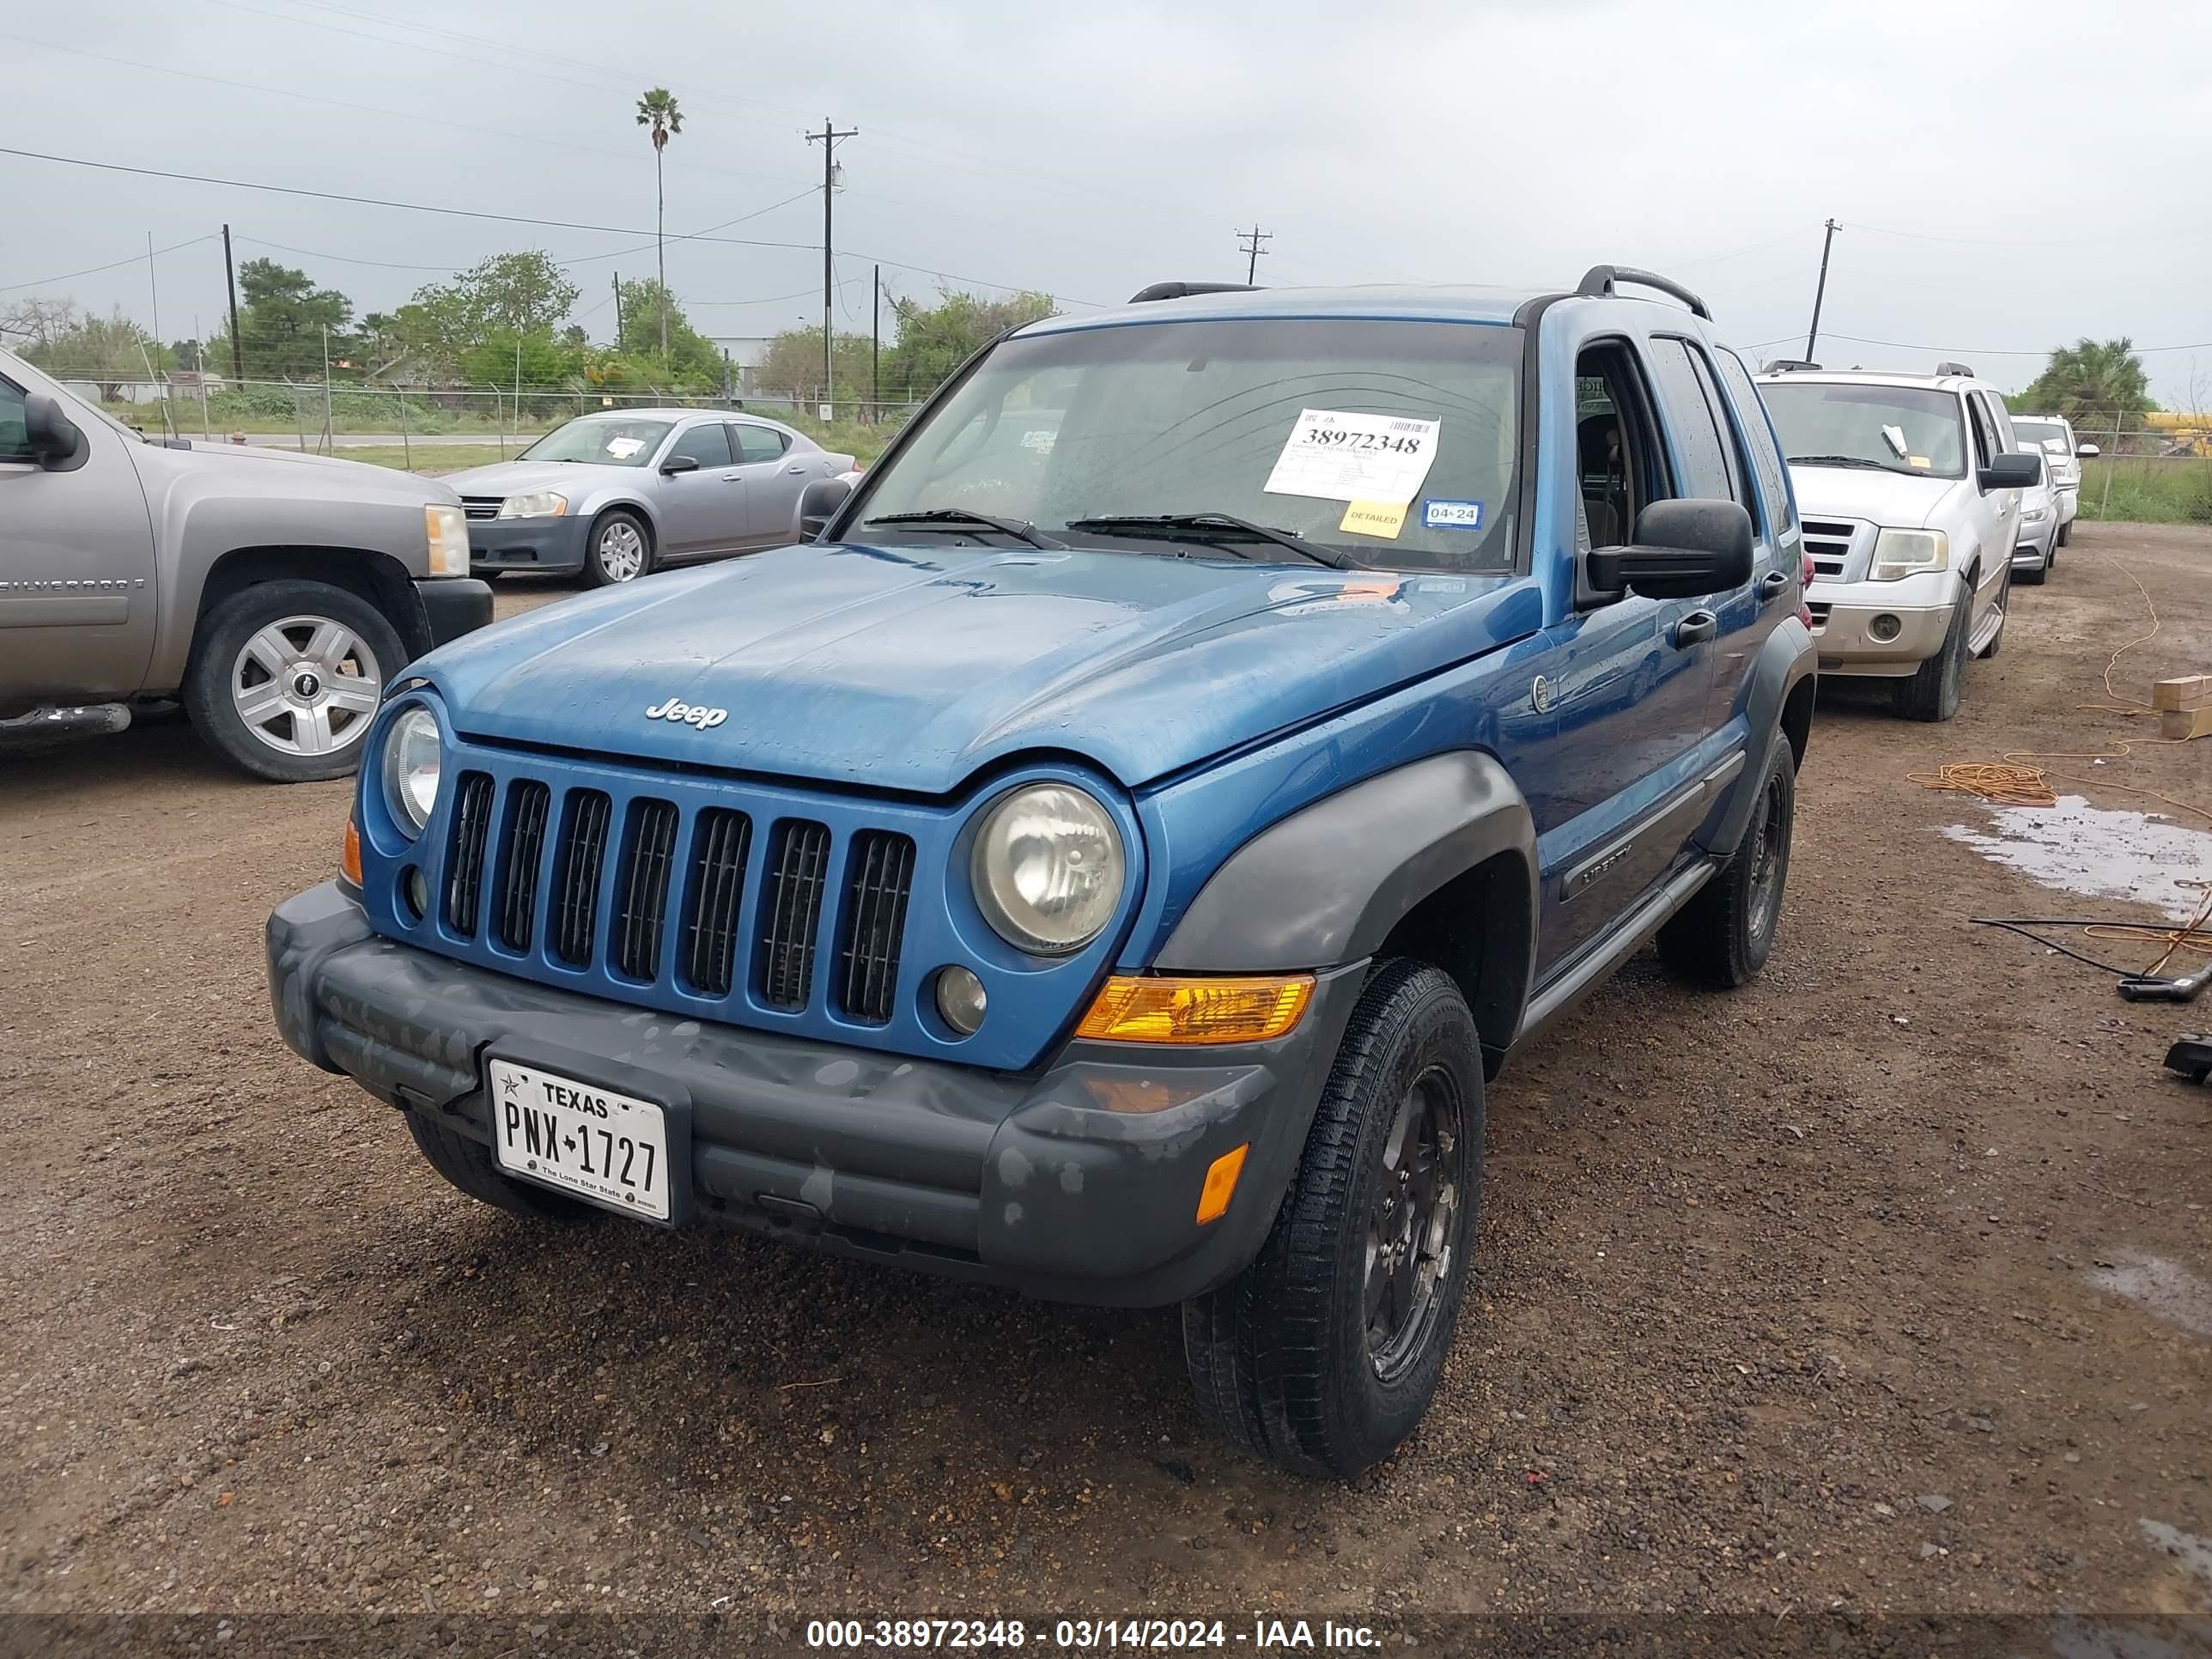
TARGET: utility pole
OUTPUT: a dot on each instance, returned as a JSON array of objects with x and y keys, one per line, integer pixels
[
  {"x": 828, "y": 138},
  {"x": 619, "y": 311},
  {"x": 1812, "y": 334},
  {"x": 876, "y": 347},
  {"x": 230, "y": 276},
  {"x": 153, "y": 284},
  {"x": 1255, "y": 237}
]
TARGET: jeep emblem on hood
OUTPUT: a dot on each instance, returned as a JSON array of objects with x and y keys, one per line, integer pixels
[{"x": 686, "y": 714}]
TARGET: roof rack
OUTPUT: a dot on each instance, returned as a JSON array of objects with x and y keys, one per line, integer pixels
[
  {"x": 1955, "y": 368},
  {"x": 1790, "y": 365},
  {"x": 1599, "y": 280},
  {"x": 1183, "y": 290}
]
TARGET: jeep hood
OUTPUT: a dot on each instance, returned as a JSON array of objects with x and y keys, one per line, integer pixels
[
  {"x": 1883, "y": 498},
  {"x": 910, "y": 669}
]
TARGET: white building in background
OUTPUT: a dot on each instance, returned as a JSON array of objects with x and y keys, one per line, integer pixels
[{"x": 747, "y": 353}]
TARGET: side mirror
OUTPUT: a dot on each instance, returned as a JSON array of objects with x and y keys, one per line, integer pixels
[
  {"x": 1683, "y": 550},
  {"x": 2011, "y": 470},
  {"x": 2087, "y": 452},
  {"x": 819, "y": 504},
  {"x": 676, "y": 463},
  {"x": 53, "y": 437}
]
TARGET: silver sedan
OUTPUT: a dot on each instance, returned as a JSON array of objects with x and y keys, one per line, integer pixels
[{"x": 616, "y": 494}]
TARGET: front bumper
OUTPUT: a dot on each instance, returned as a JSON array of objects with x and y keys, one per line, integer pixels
[
  {"x": 548, "y": 544},
  {"x": 1850, "y": 619},
  {"x": 452, "y": 606},
  {"x": 2036, "y": 541},
  {"x": 1031, "y": 1182}
]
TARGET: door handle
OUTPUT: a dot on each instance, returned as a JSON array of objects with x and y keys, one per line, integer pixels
[
  {"x": 1771, "y": 586},
  {"x": 795, "y": 471},
  {"x": 1694, "y": 629},
  {"x": 733, "y": 477}
]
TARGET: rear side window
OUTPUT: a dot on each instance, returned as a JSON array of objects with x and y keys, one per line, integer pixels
[
  {"x": 1697, "y": 440},
  {"x": 15, "y": 432},
  {"x": 760, "y": 443},
  {"x": 1758, "y": 438}
]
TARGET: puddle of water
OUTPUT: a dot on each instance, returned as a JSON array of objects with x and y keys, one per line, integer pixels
[
  {"x": 2166, "y": 1288},
  {"x": 2099, "y": 852},
  {"x": 2193, "y": 1551}
]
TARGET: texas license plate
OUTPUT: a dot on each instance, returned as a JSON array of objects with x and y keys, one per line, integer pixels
[{"x": 610, "y": 1148}]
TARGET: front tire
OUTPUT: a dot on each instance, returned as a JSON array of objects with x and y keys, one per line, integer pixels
[
  {"x": 1722, "y": 937},
  {"x": 1932, "y": 692},
  {"x": 2065, "y": 535},
  {"x": 286, "y": 675},
  {"x": 620, "y": 549},
  {"x": 1323, "y": 1354}
]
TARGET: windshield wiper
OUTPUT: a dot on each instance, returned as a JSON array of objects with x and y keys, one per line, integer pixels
[
  {"x": 1842, "y": 460},
  {"x": 960, "y": 515},
  {"x": 1222, "y": 529}
]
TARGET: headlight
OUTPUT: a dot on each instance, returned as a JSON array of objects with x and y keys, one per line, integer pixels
[
  {"x": 537, "y": 504},
  {"x": 1908, "y": 552},
  {"x": 1048, "y": 869},
  {"x": 411, "y": 768},
  {"x": 2036, "y": 514},
  {"x": 447, "y": 534}
]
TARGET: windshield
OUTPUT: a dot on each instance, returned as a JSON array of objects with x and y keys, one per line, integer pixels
[
  {"x": 1392, "y": 443},
  {"x": 2051, "y": 435},
  {"x": 601, "y": 440},
  {"x": 1901, "y": 428}
]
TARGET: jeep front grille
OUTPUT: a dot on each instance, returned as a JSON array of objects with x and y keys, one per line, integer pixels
[
  {"x": 791, "y": 912},
  {"x": 875, "y": 920},
  {"x": 661, "y": 895}
]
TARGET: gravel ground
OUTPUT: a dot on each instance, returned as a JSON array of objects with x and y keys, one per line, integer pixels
[{"x": 1884, "y": 1285}]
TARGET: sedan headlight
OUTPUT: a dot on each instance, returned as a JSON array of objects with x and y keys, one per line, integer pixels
[
  {"x": 411, "y": 768},
  {"x": 2035, "y": 514},
  {"x": 1048, "y": 869},
  {"x": 445, "y": 533},
  {"x": 537, "y": 504},
  {"x": 1907, "y": 553}
]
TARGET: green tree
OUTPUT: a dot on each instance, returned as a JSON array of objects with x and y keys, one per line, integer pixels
[
  {"x": 688, "y": 359},
  {"x": 792, "y": 367},
  {"x": 107, "y": 351},
  {"x": 657, "y": 110},
  {"x": 537, "y": 358},
  {"x": 934, "y": 340},
  {"x": 283, "y": 319},
  {"x": 506, "y": 296},
  {"x": 2088, "y": 379}
]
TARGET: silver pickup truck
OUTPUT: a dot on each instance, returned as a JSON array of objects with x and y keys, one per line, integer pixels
[{"x": 273, "y": 594}]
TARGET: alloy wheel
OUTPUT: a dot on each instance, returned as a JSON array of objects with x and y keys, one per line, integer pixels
[
  {"x": 621, "y": 551},
  {"x": 1410, "y": 1223},
  {"x": 305, "y": 685}
]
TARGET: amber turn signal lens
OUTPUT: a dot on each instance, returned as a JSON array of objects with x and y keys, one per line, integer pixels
[
  {"x": 1221, "y": 1183},
  {"x": 349, "y": 857},
  {"x": 1210, "y": 1010}
]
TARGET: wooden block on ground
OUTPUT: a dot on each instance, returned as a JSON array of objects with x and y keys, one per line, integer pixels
[
  {"x": 2180, "y": 724},
  {"x": 2192, "y": 691}
]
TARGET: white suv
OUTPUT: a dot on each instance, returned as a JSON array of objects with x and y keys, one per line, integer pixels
[
  {"x": 1908, "y": 489},
  {"x": 2054, "y": 435}
]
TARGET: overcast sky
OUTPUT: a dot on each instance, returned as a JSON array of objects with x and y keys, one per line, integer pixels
[{"x": 2008, "y": 176}]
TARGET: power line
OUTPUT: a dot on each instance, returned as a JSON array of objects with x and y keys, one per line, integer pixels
[{"x": 90, "y": 270}]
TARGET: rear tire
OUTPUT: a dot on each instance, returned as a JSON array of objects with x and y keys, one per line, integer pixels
[
  {"x": 1932, "y": 692},
  {"x": 1723, "y": 936},
  {"x": 285, "y": 676},
  {"x": 1323, "y": 1354},
  {"x": 469, "y": 1167},
  {"x": 620, "y": 548},
  {"x": 2065, "y": 535}
]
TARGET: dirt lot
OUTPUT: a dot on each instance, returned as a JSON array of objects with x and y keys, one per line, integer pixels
[{"x": 1882, "y": 1283}]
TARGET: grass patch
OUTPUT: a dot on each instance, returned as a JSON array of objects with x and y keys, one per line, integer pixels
[
  {"x": 2146, "y": 490},
  {"x": 430, "y": 460}
]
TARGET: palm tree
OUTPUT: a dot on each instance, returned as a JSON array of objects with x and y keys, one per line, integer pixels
[
  {"x": 657, "y": 111},
  {"x": 2091, "y": 378}
]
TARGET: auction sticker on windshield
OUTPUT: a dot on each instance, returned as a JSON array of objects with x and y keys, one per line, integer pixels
[
  {"x": 584, "y": 1140},
  {"x": 1340, "y": 456}
]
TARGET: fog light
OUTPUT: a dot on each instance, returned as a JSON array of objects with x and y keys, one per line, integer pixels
[
  {"x": 1885, "y": 628},
  {"x": 960, "y": 999},
  {"x": 417, "y": 892}
]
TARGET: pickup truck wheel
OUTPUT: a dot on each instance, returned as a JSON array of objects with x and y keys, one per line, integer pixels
[
  {"x": 1322, "y": 1355},
  {"x": 620, "y": 551},
  {"x": 469, "y": 1166},
  {"x": 1932, "y": 692},
  {"x": 285, "y": 676},
  {"x": 1722, "y": 937}
]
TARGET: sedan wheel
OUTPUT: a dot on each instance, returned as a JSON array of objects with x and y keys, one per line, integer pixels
[{"x": 622, "y": 550}]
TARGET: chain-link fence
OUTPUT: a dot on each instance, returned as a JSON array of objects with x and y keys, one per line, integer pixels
[
  {"x": 336, "y": 418},
  {"x": 2153, "y": 467}
]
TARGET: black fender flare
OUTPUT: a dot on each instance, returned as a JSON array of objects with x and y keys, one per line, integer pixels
[
  {"x": 1329, "y": 885},
  {"x": 1786, "y": 660}
]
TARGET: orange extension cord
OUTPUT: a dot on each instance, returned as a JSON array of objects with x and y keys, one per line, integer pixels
[{"x": 2011, "y": 782}]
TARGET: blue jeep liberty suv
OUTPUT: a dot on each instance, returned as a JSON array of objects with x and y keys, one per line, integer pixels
[{"x": 1108, "y": 857}]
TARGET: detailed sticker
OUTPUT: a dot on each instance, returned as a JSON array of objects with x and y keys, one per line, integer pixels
[
  {"x": 623, "y": 448},
  {"x": 1338, "y": 456},
  {"x": 1916, "y": 460},
  {"x": 1382, "y": 518},
  {"x": 1450, "y": 516}
]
